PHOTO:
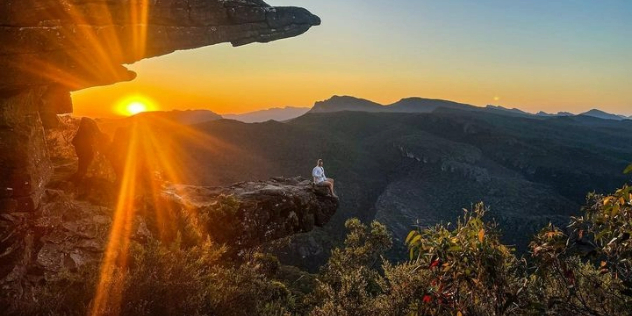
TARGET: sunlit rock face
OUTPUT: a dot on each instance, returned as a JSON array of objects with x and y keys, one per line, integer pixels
[{"x": 51, "y": 47}]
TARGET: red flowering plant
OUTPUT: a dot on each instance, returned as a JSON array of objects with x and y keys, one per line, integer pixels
[{"x": 472, "y": 272}]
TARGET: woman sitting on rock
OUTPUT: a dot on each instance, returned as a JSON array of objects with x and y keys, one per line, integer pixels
[{"x": 320, "y": 179}]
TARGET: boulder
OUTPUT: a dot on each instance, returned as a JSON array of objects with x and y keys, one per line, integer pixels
[{"x": 249, "y": 214}]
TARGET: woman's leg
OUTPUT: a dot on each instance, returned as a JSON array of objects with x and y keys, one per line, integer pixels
[{"x": 330, "y": 180}]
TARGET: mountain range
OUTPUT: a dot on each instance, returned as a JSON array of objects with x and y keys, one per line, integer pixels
[
  {"x": 423, "y": 105},
  {"x": 407, "y": 169},
  {"x": 275, "y": 114},
  {"x": 339, "y": 104}
]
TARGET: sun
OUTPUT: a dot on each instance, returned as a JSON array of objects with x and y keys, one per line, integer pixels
[
  {"x": 136, "y": 107},
  {"x": 134, "y": 104}
]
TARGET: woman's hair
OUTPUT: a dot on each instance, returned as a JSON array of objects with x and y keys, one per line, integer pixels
[{"x": 318, "y": 161}]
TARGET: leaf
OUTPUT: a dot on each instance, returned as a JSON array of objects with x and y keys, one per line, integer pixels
[
  {"x": 458, "y": 313},
  {"x": 615, "y": 210},
  {"x": 410, "y": 236},
  {"x": 481, "y": 235},
  {"x": 455, "y": 248},
  {"x": 628, "y": 169},
  {"x": 415, "y": 241}
]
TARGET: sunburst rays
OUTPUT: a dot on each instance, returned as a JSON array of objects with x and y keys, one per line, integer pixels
[{"x": 152, "y": 147}]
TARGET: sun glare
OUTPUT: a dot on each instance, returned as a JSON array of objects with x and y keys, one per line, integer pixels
[
  {"x": 136, "y": 107},
  {"x": 135, "y": 104}
]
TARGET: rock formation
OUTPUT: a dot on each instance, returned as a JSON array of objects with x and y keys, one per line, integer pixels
[
  {"x": 52, "y": 47},
  {"x": 249, "y": 214},
  {"x": 68, "y": 233},
  {"x": 87, "y": 141}
]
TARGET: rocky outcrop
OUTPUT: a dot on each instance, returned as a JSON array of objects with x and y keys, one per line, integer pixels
[
  {"x": 24, "y": 163},
  {"x": 81, "y": 44},
  {"x": 249, "y": 214},
  {"x": 67, "y": 234},
  {"x": 52, "y": 47}
]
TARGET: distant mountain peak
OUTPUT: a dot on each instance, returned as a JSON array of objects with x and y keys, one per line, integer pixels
[
  {"x": 502, "y": 108},
  {"x": 542, "y": 113},
  {"x": 405, "y": 105},
  {"x": 346, "y": 103},
  {"x": 604, "y": 115}
]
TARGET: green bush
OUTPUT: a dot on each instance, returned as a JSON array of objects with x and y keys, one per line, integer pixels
[{"x": 464, "y": 269}]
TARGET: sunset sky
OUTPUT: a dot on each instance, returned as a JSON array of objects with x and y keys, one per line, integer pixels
[{"x": 534, "y": 55}]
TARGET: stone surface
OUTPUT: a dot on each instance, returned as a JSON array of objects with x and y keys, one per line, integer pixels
[
  {"x": 24, "y": 164},
  {"x": 66, "y": 234},
  {"x": 80, "y": 44},
  {"x": 259, "y": 212}
]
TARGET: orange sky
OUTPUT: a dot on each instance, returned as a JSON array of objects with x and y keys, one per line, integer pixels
[{"x": 566, "y": 56}]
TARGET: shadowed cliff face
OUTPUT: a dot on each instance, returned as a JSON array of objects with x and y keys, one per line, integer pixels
[
  {"x": 51, "y": 47},
  {"x": 68, "y": 234}
]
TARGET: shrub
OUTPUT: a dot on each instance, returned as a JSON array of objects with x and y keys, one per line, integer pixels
[{"x": 471, "y": 271}]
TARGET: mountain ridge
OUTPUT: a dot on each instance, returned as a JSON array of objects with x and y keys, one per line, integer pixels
[
  {"x": 279, "y": 114},
  {"x": 426, "y": 105}
]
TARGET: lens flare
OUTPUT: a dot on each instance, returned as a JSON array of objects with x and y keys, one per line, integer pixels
[{"x": 151, "y": 149}]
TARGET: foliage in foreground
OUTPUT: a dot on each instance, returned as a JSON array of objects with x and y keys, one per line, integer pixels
[
  {"x": 454, "y": 269},
  {"x": 463, "y": 269}
]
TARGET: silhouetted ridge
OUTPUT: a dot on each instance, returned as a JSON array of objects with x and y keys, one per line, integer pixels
[
  {"x": 346, "y": 103},
  {"x": 423, "y": 105},
  {"x": 183, "y": 117},
  {"x": 604, "y": 115}
]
